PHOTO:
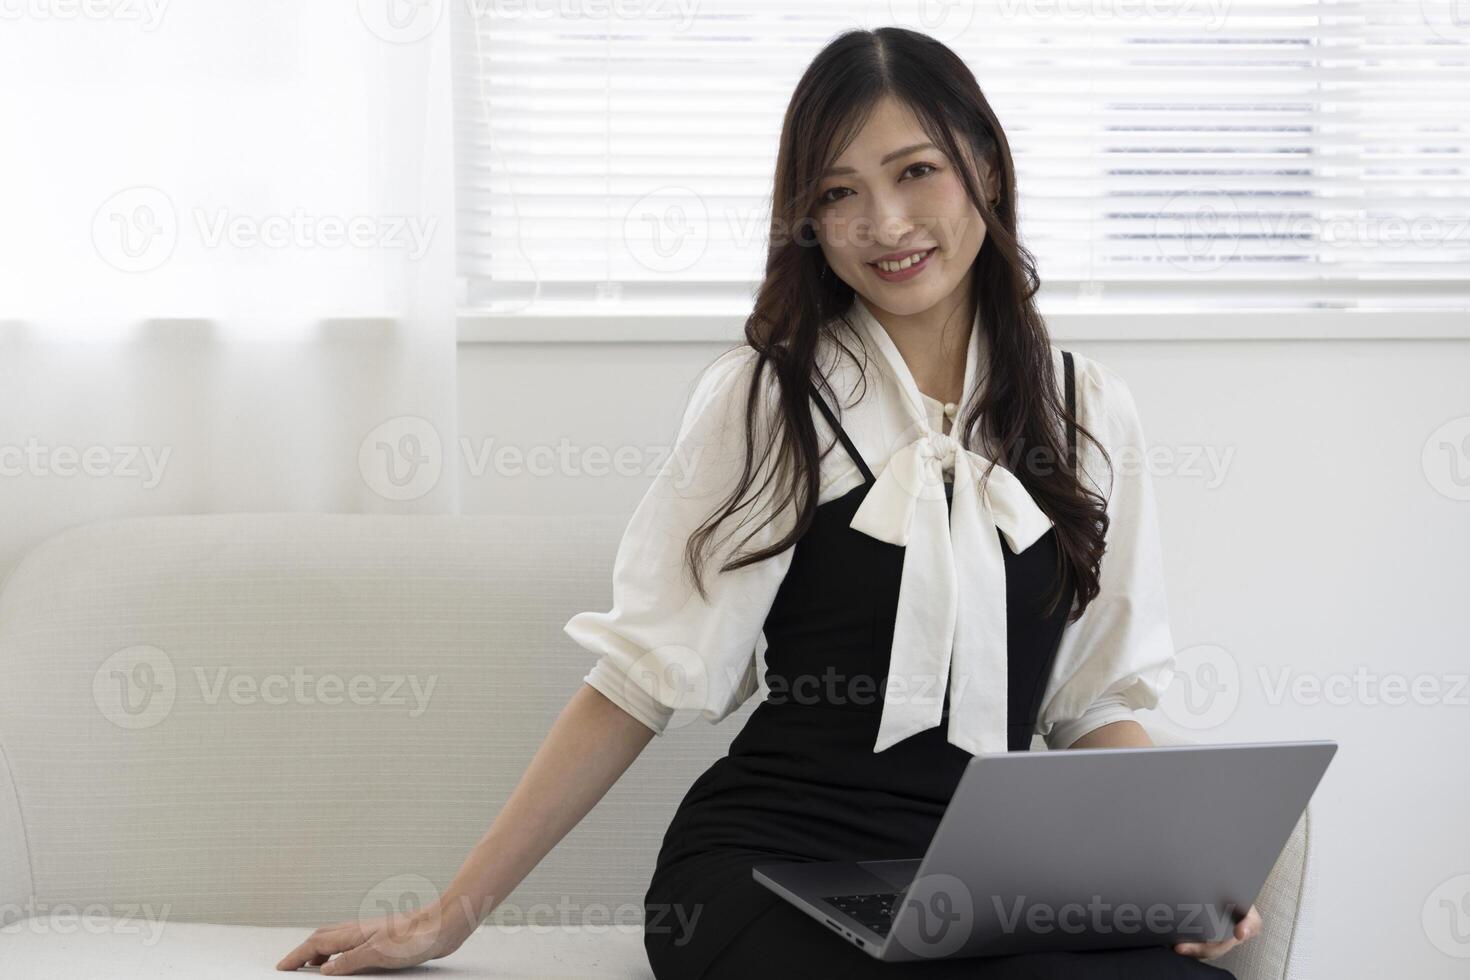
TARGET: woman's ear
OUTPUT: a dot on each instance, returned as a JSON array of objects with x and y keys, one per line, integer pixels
[{"x": 987, "y": 183}]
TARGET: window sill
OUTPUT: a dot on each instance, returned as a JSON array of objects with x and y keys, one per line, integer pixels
[{"x": 651, "y": 326}]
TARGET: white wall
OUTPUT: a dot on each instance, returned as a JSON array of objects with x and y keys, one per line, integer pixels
[{"x": 1316, "y": 544}]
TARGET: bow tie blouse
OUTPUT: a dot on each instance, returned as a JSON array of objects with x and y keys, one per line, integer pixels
[{"x": 663, "y": 648}]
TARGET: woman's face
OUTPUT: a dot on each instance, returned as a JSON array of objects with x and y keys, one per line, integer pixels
[{"x": 892, "y": 193}]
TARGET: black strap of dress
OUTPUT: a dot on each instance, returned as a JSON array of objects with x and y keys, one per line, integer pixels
[
  {"x": 857, "y": 457},
  {"x": 1071, "y": 409},
  {"x": 842, "y": 434}
]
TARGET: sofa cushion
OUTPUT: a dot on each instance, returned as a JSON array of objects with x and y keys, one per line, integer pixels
[{"x": 124, "y": 948}]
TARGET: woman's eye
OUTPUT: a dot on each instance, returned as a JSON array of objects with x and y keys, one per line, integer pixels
[{"x": 827, "y": 196}]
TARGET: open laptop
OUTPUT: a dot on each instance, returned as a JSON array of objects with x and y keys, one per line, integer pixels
[{"x": 1074, "y": 849}]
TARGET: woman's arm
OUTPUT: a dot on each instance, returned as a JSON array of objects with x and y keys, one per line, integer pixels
[
  {"x": 1117, "y": 735},
  {"x": 590, "y": 745}
]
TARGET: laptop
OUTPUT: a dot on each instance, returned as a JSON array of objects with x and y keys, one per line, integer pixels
[{"x": 1074, "y": 849}]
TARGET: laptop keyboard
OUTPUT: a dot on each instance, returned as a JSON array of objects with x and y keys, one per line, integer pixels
[{"x": 874, "y": 910}]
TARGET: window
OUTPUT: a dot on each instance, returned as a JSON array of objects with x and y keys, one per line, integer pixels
[{"x": 1213, "y": 158}]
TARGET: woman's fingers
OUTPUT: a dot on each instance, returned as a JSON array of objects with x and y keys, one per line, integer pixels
[
  {"x": 1249, "y": 926},
  {"x": 322, "y": 944},
  {"x": 1244, "y": 929},
  {"x": 358, "y": 958},
  {"x": 392, "y": 942},
  {"x": 1205, "y": 951}
]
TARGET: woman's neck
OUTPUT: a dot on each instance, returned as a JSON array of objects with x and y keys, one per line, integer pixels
[{"x": 934, "y": 344}]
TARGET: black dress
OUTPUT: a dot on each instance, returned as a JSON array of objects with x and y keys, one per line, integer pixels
[{"x": 801, "y": 780}]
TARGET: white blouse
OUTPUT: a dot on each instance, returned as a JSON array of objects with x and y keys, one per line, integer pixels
[{"x": 662, "y": 648}]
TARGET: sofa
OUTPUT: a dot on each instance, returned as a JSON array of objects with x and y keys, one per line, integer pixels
[{"x": 218, "y": 732}]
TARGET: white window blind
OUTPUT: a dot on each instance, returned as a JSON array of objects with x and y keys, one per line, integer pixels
[{"x": 1307, "y": 154}]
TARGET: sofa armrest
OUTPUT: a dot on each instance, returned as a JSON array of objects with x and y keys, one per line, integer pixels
[
  {"x": 1280, "y": 952},
  {"x": 15, "y": 862}
]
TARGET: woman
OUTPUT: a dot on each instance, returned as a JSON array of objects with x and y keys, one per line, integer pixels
[{"x": 829, "y": 492}]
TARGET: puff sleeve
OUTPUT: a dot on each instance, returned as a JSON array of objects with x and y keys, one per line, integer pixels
[
  {"x": 663, "y": 648},
  {"x": 1119, "y": 655}
]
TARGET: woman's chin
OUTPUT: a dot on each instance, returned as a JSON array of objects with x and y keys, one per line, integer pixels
[{"x": 913, "y": 296}]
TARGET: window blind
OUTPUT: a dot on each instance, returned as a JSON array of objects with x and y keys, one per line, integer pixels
[{"x": 1298, "y": 153}]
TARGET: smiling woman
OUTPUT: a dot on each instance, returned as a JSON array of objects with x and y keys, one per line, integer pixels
[
  {"x": 914, "y": 192},
  {"x": 898, "y": 178},
  {"x": 921, "y": 490}
]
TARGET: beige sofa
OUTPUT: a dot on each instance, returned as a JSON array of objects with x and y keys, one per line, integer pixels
[{"x": 218, "y": 732}]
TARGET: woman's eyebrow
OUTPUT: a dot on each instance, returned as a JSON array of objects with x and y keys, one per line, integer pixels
[{"x": 886, "y": 160}]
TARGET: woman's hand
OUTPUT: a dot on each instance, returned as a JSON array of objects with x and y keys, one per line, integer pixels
[
  {"x": 1244, "y": 929},
  {"x": 390, "y": 942}
]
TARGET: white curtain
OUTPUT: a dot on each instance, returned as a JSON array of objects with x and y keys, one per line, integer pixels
[{"x": 226, "y": 262}]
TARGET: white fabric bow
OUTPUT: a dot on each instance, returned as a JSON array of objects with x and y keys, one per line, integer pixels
[{"x": 951, "y": 554}]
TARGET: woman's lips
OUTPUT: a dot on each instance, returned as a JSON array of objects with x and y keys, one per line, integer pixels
[{"x": 904, "y": 274}]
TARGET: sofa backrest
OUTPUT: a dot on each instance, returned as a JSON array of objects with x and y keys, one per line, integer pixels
[
  {"x": 286, "y": 719},
  {"x": 296, "y": 719}
]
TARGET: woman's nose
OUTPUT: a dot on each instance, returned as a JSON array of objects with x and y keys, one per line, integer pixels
[{"x": 892, "y": 223}]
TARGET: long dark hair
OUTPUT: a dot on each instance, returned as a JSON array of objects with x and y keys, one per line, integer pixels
[{"x": 1021, "y": 410}]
